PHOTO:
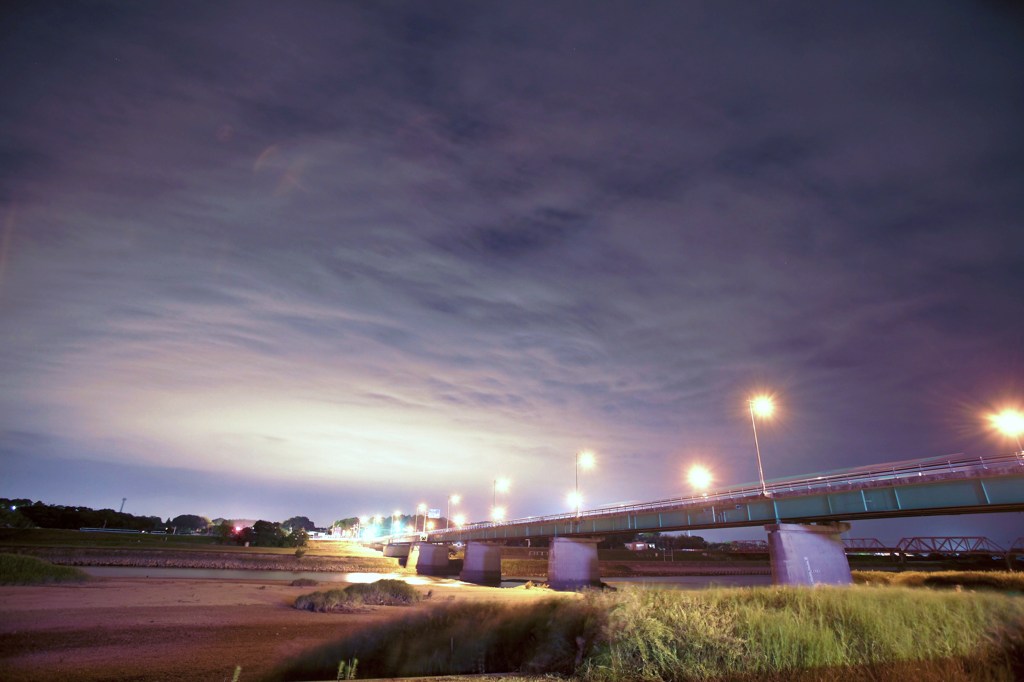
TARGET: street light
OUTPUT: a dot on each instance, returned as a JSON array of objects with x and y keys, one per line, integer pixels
[
  {"x": 761, "y": 406},
  {"x": 699, "y": 477},
  {"x": 1010, "y": 423},
  {"x": 460, "y": 520},
  {"x": 584, "y": 458},
  {"x": 500, "y": 486},
  {"x": 422, "y": 509},
  {"x": 452, "y": 499},
  {"x": 497, "y": 514}
]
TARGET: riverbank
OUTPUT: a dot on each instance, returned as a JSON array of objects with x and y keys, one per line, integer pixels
[
  {"x": 165, "y": 630},
  {"x": 253, "y": 559}
]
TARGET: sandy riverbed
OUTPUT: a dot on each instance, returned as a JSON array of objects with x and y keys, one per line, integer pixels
[{"x": 154, "y": 629}]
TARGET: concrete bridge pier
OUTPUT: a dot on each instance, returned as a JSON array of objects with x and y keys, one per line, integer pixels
[
  {"x": 397, "y": 550},
  {"x": 572, "y": 563},
  {"x": 428, "y": 559},
  {"x": 805, "y": 554},
  {"x": 482, "y": 564}
]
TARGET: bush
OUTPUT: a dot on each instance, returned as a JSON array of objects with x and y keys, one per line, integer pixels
[
  {"x": 380, "y": 593},
  {"x": 18, "y": 569}
]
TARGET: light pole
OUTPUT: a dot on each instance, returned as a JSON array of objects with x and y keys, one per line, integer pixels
[
  {"x": 1010, "y": 423},
  {"x": 452, "y": 499},
  {"x": 422, "y": 509},
  {"x": 761, "y": 406},
  {"x": 584, "y": 458}
]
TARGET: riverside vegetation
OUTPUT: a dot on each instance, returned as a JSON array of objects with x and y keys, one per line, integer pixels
[
  {"x": 17, "y": 569},
  {"x": 776, "y": 633},
  {"x": 379, "y": 593}
]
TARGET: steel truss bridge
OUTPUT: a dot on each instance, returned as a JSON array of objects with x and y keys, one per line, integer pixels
[
  {"x": 952, "y": 545},
  {"x": 955, "y": 484}
]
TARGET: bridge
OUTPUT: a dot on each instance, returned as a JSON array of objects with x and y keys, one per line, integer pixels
[{"x": 804, "y": 517}]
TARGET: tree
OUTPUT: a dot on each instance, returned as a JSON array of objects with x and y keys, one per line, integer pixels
[
  {"x": 350, "y": 522},
  {"x": 268, "y": 534},
  {"x": 246, "y": 536},
  {"x": 190, "y": 522},
  {"x": 298, "y": 538},
  {"x": 13, "y": 519},
  {"x": 297, "y": 522},
  {"x": 224, "y": 530}
]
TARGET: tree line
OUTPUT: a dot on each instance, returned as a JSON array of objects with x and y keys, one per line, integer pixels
[{"x": 24, "y": 513}]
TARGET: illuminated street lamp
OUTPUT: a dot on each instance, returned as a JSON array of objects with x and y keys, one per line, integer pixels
[
  {"x": 584, "y": 458},
  {"x": 500, "y": 486},
  {"x": 699, "y": 477},
  {"x": 498, "y": 514},
  {"x": 760, "y": 406},
  {"x": 452, "y": 499},
  {"x": 460, "y": 520},
  {"x": 1010, "y": 423}
]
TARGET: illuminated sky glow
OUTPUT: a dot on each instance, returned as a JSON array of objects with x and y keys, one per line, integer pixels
[{"x": 264, "y": 259}]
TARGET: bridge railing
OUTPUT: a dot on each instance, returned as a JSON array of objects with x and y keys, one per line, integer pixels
[{"x": 927, "y": 468}]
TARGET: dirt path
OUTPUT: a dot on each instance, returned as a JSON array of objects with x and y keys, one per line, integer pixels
[{"x": 153, "y": 629}]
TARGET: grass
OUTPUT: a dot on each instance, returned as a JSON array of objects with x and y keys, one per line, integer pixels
[
  {"x": 462, "y": 638},
  {"x": 776, "y": 633},
  {"x": 1004, "y": 581},
  {"x": 859, "y": 633},
  {"x": 54, "y": 537},
  {"x": 353, "y": 597},
  {"x": 17, "y": 569}
]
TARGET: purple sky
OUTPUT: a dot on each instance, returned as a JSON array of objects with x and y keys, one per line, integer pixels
[{"x": 268, "y": 259}]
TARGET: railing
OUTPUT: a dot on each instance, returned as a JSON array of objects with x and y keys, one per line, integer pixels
[{"x": 947, "y": 466}]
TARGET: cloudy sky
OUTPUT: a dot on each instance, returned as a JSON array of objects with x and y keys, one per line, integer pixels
[{"x": 261, "y": 259}]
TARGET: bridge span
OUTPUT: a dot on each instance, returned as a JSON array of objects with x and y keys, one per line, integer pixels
[{"x": 804, "y": 516}]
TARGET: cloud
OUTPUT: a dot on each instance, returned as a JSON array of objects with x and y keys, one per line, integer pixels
[{"x": 393, "y": 246}]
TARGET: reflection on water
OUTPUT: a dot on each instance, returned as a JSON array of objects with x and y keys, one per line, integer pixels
[
  {"x": 685, "y": 582},
  {"x": 693, "y": 582}
]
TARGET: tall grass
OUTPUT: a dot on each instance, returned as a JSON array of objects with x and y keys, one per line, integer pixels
[
  {"x": 18, "y": 569},
  {"x": 727, "y": 634},
  {"x": 775, "y": 633},
  {"x": 552, "y": 635},
  {"x": 1005, "y": 581}
]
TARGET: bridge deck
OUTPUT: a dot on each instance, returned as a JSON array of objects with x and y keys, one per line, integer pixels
[{"x": 931, "y": 486}]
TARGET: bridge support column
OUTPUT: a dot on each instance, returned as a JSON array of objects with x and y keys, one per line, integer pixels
[
  {"x": 397, "y": 550},
  {"x": 482, "y": 564},
  {"x": 803, "y": 554},
  {"x": 572, "y": 563},
  {"x": 428, "y": 559}
]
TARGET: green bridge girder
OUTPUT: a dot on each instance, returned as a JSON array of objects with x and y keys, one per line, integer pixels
[{"x": 998, "y": 490}]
